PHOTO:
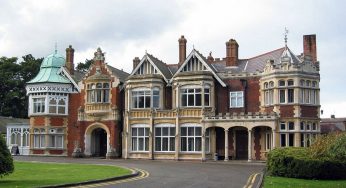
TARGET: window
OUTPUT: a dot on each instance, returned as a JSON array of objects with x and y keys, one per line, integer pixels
[
  {"x": 165, "y": 138},
  {"x": 268, "y": 93},
  {"x": 98, "y": 93},
  {"x": 236, "y": 99},
  {"x": 206, "y": 97},
  {"x": 39, "y": 105},
  {"x": 142, "y": 98},
  {"x": 56, "y": 138},
  {"x": 290, "y": 83},
  {"x": 290, "y": 96},
  {"x": 290, "y": 126},
  {"x": 26, "y": 136},
  {"x": 302, "y": 126},
  {"x": 57, "y": 105},
  {"x": 281, "y": 83},
  {"x": 15, "y": 136},
  {"x": 308, "y": 126},
  {"x": 282, "y": 126},
  {"x": 191, "y": 138},
  {"x": 314, "y": 126},
  {"x": 191, "y": 97},
  {"x": 39, "y": 138},
  {"x": 287, "y": 139},
  {"x": 282, "y": 96},
  {"x": 268, "y": 141},
  {"x": 140, "y": 138}
]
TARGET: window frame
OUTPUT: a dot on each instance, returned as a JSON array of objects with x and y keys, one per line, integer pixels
[
  {"x": 137, "y": 137},
  {"x": 170, "y": 138},
  {"x": 188, "y": 138},
  {"x": 237, "y": 98}
]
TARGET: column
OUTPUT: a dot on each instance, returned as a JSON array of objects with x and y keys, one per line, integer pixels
[
  {"x": 151, "y": 136},
  {"x": 274, "y": 138},
  {"x": 226, "y": 144},
  {"x": 249, "y": 145},
  {"x": 203, "y": 143},
  {"x": 177, "y": 137}
]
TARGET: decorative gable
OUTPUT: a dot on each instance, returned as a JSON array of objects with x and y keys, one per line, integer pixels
[
  {"x": 193, "y": 64},
  {"x": 146, "y": 68}
]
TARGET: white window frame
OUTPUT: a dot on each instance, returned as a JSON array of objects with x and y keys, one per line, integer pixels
[
  {"x": 56, "y": 138},
  {"x": 96, "y": 94},
  {"x": 152, "y": 94},
  {"x": 39, "y": 105},
  {"x": 137, "y": 137},
  {"x": 39, "y": 136},
  {"x": 193, "y": 137},
  {"x": 170, "y": 137},
  {"x": 239, "y": 99},
  {"x": 268, "y": 141}
]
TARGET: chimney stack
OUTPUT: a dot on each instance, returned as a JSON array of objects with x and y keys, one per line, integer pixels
[
  {"x": 182, "y": 49},
  {"x": 309, "y": 42},
  {"x": 69, "y": 59},
  {"x": 232, "y": 53},
  {"x": 136, "y": 61}
]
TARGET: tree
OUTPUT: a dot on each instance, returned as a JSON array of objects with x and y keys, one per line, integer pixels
[
  {"x": 84, "y": 67},
  {"x": 13, "y": 78},
  {"x": 6, "y": 161}
]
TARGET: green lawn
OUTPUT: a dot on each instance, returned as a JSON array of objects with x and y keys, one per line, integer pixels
[
  {"x": 271, "y": 181},
  {"x": 34, "y": 174}
]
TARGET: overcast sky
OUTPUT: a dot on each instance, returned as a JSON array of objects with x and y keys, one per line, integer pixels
[{"x": 126, "y": 29}]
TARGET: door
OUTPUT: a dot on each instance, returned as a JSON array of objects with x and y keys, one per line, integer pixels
[{"x": 241, "y": 144}]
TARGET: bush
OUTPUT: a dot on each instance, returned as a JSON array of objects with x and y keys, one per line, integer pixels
[
  {"x": 331, "y": 146},
  {"x": 6, "y": 161},
  {"x": 298, "y": 163}
]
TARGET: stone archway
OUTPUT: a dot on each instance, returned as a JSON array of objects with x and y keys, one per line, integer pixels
[{"x": 97, "y": 140}]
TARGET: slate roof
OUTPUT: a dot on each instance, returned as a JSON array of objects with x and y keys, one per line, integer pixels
[
  {"x": 118, "y": 73},
  {"x": 161, "y": 66}
]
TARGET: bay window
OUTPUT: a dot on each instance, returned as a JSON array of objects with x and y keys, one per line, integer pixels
[
  {"x": 98, "y": 92},
  {"x": 191, "y": 138},
  {"x": 39, "y": 105},
  {"x": 192, "y": 96},
  {"x": 146, "y": 98},
  {"x": 165, "y": 138},
  {"x": 140, "y": 138}
]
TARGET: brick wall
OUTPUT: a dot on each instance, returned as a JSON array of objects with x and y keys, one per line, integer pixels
[{"x": 309, "y": 111}]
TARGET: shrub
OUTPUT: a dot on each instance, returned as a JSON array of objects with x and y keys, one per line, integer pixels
[
  {"x": 298, "y": 163},
  {"x": 6, "y": 161},
  {"x": 332, "y": 146}
]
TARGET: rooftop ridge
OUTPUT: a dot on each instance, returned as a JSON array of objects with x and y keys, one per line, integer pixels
[{"x": 266, "y": 53}]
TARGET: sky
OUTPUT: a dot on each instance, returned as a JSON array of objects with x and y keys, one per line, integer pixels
[{"x": 127, "y": 29}]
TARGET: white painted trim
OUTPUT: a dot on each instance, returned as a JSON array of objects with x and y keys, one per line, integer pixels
[
  {"x": 139, "y": 125},
  {"x": 62, "y": 69},
  {"x": 193, "y": 52},
  {"x": 164, "y": 125}
]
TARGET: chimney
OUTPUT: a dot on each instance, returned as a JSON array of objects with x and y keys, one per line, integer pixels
[
  {"x": 136, "y": 61},
  {"x": 182, "y": 49},
  {"x": 232, "y": 53},
  {"x": 309, "y": 42},
  {"x": 69, "y": 59},
  {"x": 210, "y": 58}
]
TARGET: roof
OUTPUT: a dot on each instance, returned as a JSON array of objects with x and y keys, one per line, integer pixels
[
  {"x": 6, "y": 120},
  {"x": 50, "y": 70},
  {"x": 161, "y": 66},
  {"x": 118, "y": 73},
  {"x": 333, "y": 125}
]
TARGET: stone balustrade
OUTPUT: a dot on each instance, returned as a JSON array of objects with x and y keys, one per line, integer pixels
[{"x": 242, "y": 116}]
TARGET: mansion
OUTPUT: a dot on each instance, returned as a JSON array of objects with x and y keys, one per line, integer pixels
[{"x": 201, "y": 108}]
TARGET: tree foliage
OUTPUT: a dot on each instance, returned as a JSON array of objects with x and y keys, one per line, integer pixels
[
  {"x": 6, "y": 161},
  {"x": 13, "y": 78},
  {"x": 84, "y": 67}
]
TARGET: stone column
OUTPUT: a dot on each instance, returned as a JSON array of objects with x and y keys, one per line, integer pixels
[
  {"x": 151, "y": 135},
  {"x": 203, "y": 143},
  {"x": 226, "y": 144},
  {"x": 249, "y": 145},
  {"x": 177, "y": 137},
  {"x": 274, "y": 138}
]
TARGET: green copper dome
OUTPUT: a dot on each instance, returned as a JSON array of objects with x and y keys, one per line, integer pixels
[
  {"x": 53, "y": 60},
  {"x": 50, "y": 70}
]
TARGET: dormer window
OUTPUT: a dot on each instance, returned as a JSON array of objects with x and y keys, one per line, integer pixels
[{"x": 98, "y": 93}]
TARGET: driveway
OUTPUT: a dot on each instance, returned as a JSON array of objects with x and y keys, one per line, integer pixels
[{"x": 172, "y": 174}]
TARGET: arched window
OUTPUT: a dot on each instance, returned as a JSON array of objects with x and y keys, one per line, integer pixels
[{"x": 98, "y": 92}]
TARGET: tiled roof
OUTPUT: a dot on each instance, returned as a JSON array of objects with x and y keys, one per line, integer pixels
[
  {"x": 119, "y": 73},
  {"x": 162, "y": 66}
]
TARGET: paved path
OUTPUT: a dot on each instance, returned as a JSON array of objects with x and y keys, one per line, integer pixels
[{"x": 174, "y": 174}]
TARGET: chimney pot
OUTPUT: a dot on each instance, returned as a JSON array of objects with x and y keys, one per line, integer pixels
[
  {"x": 309, "y": 45},
  {"x": 232, "y": 53},
  {"x": 182, "y": 49},
  {"x": 69, "y": 59}
]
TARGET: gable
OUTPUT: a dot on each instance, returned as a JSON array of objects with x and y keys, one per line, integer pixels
[
  {"x": 196, "y": 62},
  {"x": 193, "y": 64},
  {"x": 145, "y": 68}
]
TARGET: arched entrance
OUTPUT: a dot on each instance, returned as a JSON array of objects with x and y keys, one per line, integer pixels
[
  {"x": 241, "y": 143},
  {"x": 98, "y": 142}
]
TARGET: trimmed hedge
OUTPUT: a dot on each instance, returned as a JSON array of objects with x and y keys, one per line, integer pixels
[
  {"x": 297, "y": 163},
  {"x": 6, "y": 161}
]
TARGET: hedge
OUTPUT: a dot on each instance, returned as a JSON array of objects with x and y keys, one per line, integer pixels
[
  {"x": 298, "y": 163},
  {"x": 6, "y": 161}
]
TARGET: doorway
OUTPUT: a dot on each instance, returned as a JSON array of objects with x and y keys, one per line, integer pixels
[
  {"x": 99, "y": 143},
  {"x": 241, "y": 144}
]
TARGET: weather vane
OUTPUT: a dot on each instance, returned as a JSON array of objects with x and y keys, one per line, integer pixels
[
  {"x": 286, "y": 32},
  {"x": 56, "y": 47}
]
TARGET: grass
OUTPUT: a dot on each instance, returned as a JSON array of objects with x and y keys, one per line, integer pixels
[
  {"x": 34, "y": 174},
  {"x": 271, "y": 181}
]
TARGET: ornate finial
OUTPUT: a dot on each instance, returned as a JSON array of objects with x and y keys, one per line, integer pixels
[
  {"x": 286, "y": 32},
  {"x": 99, "y": 55},
  {"x": 56, "y": 47}
]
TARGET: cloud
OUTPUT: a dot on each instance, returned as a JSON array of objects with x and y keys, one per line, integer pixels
[{"x": 126, "y": 29}]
